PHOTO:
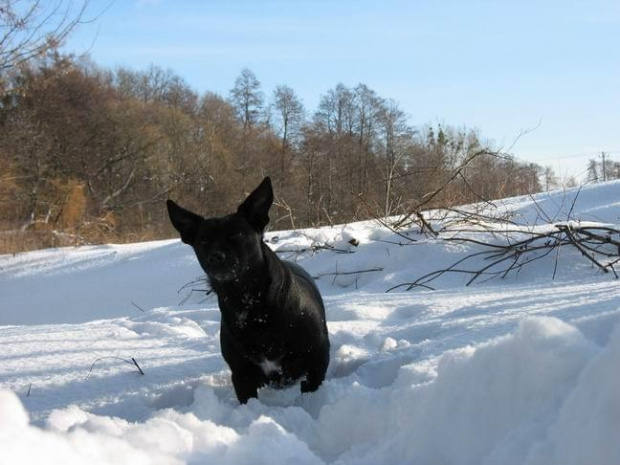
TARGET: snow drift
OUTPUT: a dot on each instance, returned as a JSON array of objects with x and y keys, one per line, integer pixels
[{"x": 515, "y": 371}]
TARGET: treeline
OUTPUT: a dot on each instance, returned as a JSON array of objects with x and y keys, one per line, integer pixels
[
  {"x": 603, "y": 170},
  {"x": 90, "y": 154}
]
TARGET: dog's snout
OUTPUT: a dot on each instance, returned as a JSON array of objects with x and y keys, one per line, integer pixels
[{"x": 216, "y": 257}]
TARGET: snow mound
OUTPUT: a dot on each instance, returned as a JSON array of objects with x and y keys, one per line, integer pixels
[
  {"x": 544, "y": 394},
  {"x": 110, "y": 355}
]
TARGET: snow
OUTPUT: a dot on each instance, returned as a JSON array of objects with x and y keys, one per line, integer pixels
[{"x": 520, "y": 370}]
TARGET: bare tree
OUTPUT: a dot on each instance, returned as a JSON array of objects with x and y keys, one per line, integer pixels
[
  {"x": 290, "y": 116},
  {"x": 550, "y": 180},
  {"x": 593, "y": 174},
  {"x": 29, "y": 29},
  {"x": 369, "y": 106},
  {"x": 248, "y": 100},
  {"x": 336, "y": 113},
  {"x": 397, "y": 139}
]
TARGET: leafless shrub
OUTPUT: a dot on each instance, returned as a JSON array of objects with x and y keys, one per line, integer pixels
[{"x": 507, "y": 247}]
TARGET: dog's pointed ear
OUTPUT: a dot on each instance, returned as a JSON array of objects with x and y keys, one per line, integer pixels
[
  {"x": 255, "y": 209},
  {"x": 184, "y": 221}
]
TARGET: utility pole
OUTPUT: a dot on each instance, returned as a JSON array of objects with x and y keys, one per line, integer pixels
[{"x": 604, "y": 167}]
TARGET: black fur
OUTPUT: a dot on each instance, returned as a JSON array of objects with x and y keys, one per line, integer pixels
[{"x": 273, "y": 328}]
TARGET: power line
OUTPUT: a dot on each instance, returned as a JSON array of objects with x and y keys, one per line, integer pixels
[{"x": 576, "y": 155}]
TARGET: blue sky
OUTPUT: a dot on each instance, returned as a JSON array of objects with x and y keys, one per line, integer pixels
[{"x": 500, "y": 66}]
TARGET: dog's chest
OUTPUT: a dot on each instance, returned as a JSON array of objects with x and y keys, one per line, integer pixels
[
  {"x": 251, "y": 319},
  {"x": 245, "y": 311},
  {"x": 262, "y": 334},
  {"x": 259, "y": 337}
]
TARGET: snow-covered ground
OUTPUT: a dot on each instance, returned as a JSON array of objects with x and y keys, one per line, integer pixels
[{"x": 520, "y": 370}]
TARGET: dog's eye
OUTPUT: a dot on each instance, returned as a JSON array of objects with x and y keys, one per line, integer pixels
[{"x": 237, "y": 236}]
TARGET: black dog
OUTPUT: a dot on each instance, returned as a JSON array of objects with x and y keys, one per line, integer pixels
[{"x": 273, "y": 328}]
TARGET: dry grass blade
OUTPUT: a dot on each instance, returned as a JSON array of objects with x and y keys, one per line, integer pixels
[{"x": 130, "y": 362}]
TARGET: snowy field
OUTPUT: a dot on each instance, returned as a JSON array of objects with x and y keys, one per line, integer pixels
[{"x": 523, "y": 369}]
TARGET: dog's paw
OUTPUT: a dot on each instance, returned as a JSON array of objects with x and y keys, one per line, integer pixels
[{"x": 307, "y": 386}]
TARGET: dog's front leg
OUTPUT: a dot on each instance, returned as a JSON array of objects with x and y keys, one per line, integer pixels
[
  {"x": 246, "y": 386},
  {"x": 312, "y": 382},
  {"x": 314, "y": 379}
]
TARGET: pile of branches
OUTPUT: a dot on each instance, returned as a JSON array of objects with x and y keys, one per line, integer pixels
[{"x": 597, "y": 243}]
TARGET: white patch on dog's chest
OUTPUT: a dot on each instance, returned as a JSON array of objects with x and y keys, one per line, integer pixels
[{"x": 270, "y": 366}]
